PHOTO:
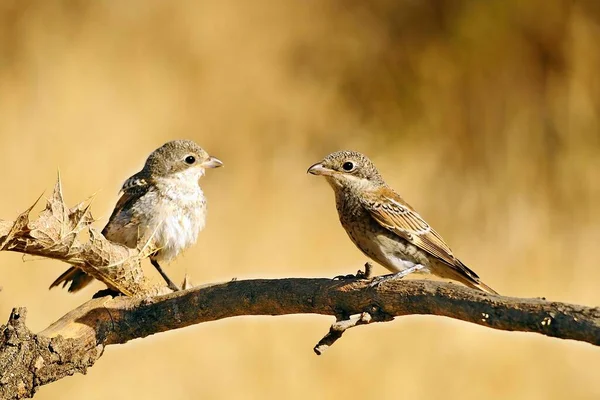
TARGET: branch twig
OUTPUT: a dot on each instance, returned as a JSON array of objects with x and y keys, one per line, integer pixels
[{"x": 342, "y": 324}]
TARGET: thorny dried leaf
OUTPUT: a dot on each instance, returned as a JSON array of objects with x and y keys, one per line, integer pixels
[{"x": 57, "y": 233}]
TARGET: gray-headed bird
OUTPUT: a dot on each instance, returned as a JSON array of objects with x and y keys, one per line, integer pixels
[
  {"x": 385, "y": 227},
  {"x": 163, "y": 203}
]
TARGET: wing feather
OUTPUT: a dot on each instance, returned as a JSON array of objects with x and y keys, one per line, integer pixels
[
  {"x": 394, "y": 214},
  {"x": 131, "y": 190}
]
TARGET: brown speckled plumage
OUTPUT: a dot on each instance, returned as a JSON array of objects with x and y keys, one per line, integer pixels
[{"x": 383, "y": 226}]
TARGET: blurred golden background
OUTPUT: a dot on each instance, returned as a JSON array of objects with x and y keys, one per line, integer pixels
[{"x": 485, "y": 116}]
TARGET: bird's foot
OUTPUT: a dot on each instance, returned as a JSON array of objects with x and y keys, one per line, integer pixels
[
  {"x": 378, "y": 280},
  {"x": 344, "y": 277},
  {"x": 106, "y": 292},
  {"x": 359, "y": 274}
]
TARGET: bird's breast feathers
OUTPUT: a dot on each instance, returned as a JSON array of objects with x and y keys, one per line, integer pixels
[
  {"x": 181, "y": 215},
  {"x": 169, "y": 213},
  {"x": 178, "y": 230}
]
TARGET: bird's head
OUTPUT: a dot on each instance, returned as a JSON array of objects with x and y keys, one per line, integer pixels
[
  {"x": 348, "y": 170},
  {"x": 179, "y": 158}
]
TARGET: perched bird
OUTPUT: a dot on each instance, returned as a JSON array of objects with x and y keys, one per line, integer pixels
[
  {"x": 385, "y": 227},
  {"x": 162, "y": 203}
]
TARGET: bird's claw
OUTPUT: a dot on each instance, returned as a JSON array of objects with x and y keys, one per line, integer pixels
[
  {"x": 106, "y": 292},
  {"x": 378, "y": 280},
  {"x": 345, "y": 277},
  {"x": 359, "y": 274}
]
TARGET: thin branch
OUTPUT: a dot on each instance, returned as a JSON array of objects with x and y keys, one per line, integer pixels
[
  {"x": 341, "y": 325},
  {"x": 76, "y": 341}
]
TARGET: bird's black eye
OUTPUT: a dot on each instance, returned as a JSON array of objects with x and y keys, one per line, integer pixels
[
  {"x": 190, "y": 160},
  {"x": 348, "y": 166}
]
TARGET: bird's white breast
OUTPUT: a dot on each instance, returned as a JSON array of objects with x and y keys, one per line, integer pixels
[{"x": 182, "y": 214}]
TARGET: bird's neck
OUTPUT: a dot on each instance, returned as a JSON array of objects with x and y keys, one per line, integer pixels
[
  {"x": 347, "y": 203},
  {"x": 181, "y": 187}
]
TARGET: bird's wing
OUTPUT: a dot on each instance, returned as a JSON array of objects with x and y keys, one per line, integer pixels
[
  {"x": 394, "y": 214},
  {"x": 131, "y": 190}
]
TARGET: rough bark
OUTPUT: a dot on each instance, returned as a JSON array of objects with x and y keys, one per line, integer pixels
[{"x": 76, "y": 341}]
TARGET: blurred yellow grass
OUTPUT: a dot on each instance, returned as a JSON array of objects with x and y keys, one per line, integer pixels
[{"x": 485, "y": 116}]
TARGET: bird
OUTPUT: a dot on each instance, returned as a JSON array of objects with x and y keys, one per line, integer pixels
[
  {"x": 384, "y": 226},
  {"x": 163, "y": 203}
]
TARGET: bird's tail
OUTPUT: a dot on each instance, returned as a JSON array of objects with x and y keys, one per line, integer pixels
[
  {"x": 479, "y": 285},
  {"x": 469, "y": 278},
  {"x": 76, "y": 277}
]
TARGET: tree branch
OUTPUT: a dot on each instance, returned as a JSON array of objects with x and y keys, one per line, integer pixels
[{"x": 77, "y": 340}]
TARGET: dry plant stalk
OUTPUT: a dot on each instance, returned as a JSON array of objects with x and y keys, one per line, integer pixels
[{"x": 66, "y": 234}]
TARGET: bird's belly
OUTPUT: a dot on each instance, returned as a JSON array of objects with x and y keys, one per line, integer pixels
[
  {"x": 391, "y": 251},
  {"x": 177, "y": 231}
]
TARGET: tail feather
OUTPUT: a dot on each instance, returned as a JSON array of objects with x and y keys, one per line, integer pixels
[
  {"x": 469, "y": 278},
  {"x": 480, "y": 286},
  {"x": 75, "y": 278}
]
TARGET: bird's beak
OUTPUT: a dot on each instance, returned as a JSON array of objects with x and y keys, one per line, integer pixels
[
  {"x": 319, "y": 169},
  {"x": 212, "y": 162}
]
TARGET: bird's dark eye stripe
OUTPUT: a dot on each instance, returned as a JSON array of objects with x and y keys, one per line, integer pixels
[
  {"x": 348, "y": 166},
  {"x": 190, "y": 159}
]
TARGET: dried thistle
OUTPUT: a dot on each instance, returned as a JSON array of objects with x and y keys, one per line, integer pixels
[{"x": 66, "y": 234}]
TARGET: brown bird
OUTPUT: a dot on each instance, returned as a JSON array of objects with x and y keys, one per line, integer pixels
[
  {"x": 162, "y": 203},
  {"x": 384, "y": 226}
]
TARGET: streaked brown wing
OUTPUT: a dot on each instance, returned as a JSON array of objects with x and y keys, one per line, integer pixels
[
  {"x": 394, "y": 214},
  {"x": 132, "y": 189}
]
